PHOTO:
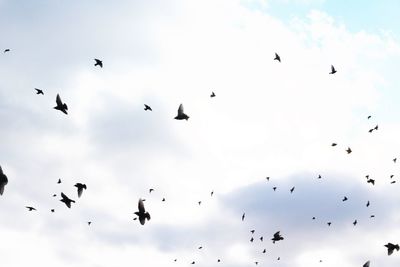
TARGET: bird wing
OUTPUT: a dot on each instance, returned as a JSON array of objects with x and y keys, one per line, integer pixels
[
  {"x": 277, "y": 234},
  {"x": 64, "y": 197},
  {"x": 141, "y": 206},
  {"x": 80, "y": 190},
  {"x": 58, "y": 100},
  {"x": 180, "y": 110},
  {"x": 366, "y": 264},
  {"x": 332, "y": 68},
  {"x": 147, "y": 216}
]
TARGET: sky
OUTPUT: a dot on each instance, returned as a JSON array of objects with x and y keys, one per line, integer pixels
[{"x": 268, "y": 119}]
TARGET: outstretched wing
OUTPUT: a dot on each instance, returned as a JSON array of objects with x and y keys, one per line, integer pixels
[
  {"x": 80, "y": 190},
  {"x": 333, "y": 68},
  {"x": 58, "y": 100},
  {"x": 366, "y": 264},
  {"x": 141, "y": 206},
  {"x": 180, "y": 110}
]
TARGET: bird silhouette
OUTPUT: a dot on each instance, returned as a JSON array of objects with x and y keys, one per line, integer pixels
[
  {"x": 366, "y": 264},
  {"x": 391, "y": 247},
  {"x": 252, "y": 231},
  {"x": 163, "y": 200},
  {"x": 252, "y": 239},
  {"x": 367, "y": 204},
  {"x": 89, "y": 223},
  {"x": 3, "y": 181},
  {"x": 98, "y": 63},
  {"x": 274, "y": 188},
  {"x": 80, "y": 188},
  {"x": 30, "y": 208},
  {"x": 151, "y": 190},
  {"x": 181, "y": 115},
  {"x": 348, "y": 150},
  {"x": 264, "y": 251},
  {"x": 313, "y": 218},
  {"x": 277, "y": 57},
  {"x": 6, "y": 50},
  {"x": 261, "y": 239},
  {"x": 146, "y": 107},
  {"x": 193, "y": 262},
  {"x": 371, "y": 181},
  {"x": 319, "y": 176},
  {"x": 212, "y": 94},
  {"x": 345, "y": 199},
  {"x": 200, "y": 247},
  {"x": 60, "y": 105},
  {"x": 67, "y": 201},
  {"x": 59, "y": 181},
  {"x": 244, "y": 215},
  {"x": 369, "y": 117},
  {"x": 142, "y": 213},
  {"x": 355, "y": 223},
  {"x": 329, "y": 223},
  {"x": 212, "y": 193},
  {"x": 333, "y": 144},
  {"x": 333, "y": 70},
  {"x": 39, "y": 92},
  {"x": 199, "y": 202},
  {"x": 292, "y": 189},
  {"x": 277, "y": 236},
  {"x": 52, "y": 210}
]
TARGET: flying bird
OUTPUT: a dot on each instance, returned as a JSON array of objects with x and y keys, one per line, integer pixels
[
  {"x": 274, "y": 188},
  {"x": 329, "y": 223},
  {"x": 3, "y": 181},
  {"x": 277, "y": 237},
  {"x": 394, "y": 160},
  {"x": 30, "y": 208},
  {"x": 80, "y": 188},
  {"x": 142, "y": 213},
  {"x": 244, "y": 214},
  {"x": 181, "y": 115},
  {"x": 98, "y": 63},
  {"x": 348, "y": 150},
  {"x": 212, "y": 193},
  {"x": 252, "y": 231},
  {"x": 333, "y": 70},
  {"x": 67, "y": 201},
  {"x": 366, "y": 264},
  {"x": 391, "y": 247},
  {"x": 6, "y": 50},
  {"x": 146, "y": 107},
  {"x": 39, "y": 92},
  {"x": 60, "y": 105},
  {"x": 252, "y": 239},
  {"x": 369, "y": 117},
  {"x": 345, "y": 199},
  {"x": 163, "y": 200},
  {"x": 89, "y": 223},
  {"x": 264, "y": 251},
  {"x": 52, "y": 210},
  {"x": 355, "y": 223},
  {"x": 261, "y": 239},
  {"x": 334, "y": 144},
  {"x": 277, "y": 57},
  {"x": 151, "y": 190},
  {"x": 367, "y": 204},
  {"x": 212, "y": 94},
  {"x": 371, "y": 181},
  {"x": 59, "y": 181},
  {"x": 292, "y": 189}
]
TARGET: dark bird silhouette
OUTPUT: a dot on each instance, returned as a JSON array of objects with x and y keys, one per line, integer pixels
[
  {"x": 256, "y": 262},
  {"x": 264, "y": 251},
  {"x": 277, "y": 57},
  {"x": 279, "y": 258},
  {"x": 329, "y": 223},
  {"x": 369, "y": 117},
  {"x": 391, "y": 176},
  {"x": 98, "y": 63},
  {"x": 371, "y": 181},
  {"x": 142, "y": 213},
  {"x": 252, "y": 239},
  {"x": 212, "y": 193},
  {"x": 181, "y": 114},
  {"x": 367, "y": 204},
  {"x": 39, "y": 92},
  {"x": 200, "y": 247},
  {"x": 355, "y": 223},
  {"x": 394, "y": 160},
  {"x": 319, "y": 176},
  {"x": 244, "y": 215},
  {"x": 193, "y": 262},
  {"x": 277, "y": 237},
  {"x": 372, "y": 216},
  {"x": 267, "y": 178},
  {"x": 146, "y": 107},
  {"x": 67, "y": 201},
  {"x": 252, "y": 231},
  {"x": 212, "y": 94},
  {"x": 366, "y": 264},
  {"x": 163, "y": 200},
  {"x": 60, "y": 105},
  {"x": 376, "y": 128},
  {"x": 333, "y": 70},
  {"x": 151, "y": 190},
  {"x": 30, "y": 208},
  {"x": 345, "y": 199},
  {"x": 54, "y": 195},
  {"x": 89, "y": 223},
  {"x": 292, "y": 189},
  {"x": 313, "y": 218},
  {"x": 80, "y": 188},
  {"x": 6, "y": 50},
  {"x": 261, "y": 239},
  {"x": 199, "y": 203},
  {"x": 348, "y": 150},
  {"x": 52, "y": 210},
  {"x": 3, "y": 181},
  {"x": 274, "y": 188},
  {"x": 218, "y": 260},
  {"x": 371, "y": 130},
  {"x": 391, "y": 247},
  {"x": 393, "y": 182},
  {"x": 59, "y": 181},
  {"x": 334, "y": 144}
]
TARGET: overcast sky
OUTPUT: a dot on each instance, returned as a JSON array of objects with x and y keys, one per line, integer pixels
[{"x": 268, "y": 119}]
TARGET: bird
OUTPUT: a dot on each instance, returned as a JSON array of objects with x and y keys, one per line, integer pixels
[
  {"x": 267, "y": 178},
  {"x": 200, "y": 247},
  {"x": 371, "y": 181},
  {"x": 391, "y": 176},
  {"x": 151, "y": 190},
  {"x": 146, "y": 107},
  {"x": 80, "y": 188},
  {"x": 279, "y": 258},
  {"x": 391, "y": 247},
  {"x": 199, "y": 203},
  {"x": 333, "y": 70},
  {"x": 264, "y": 251},
  {"x": 262, "y": 239},
  {"x": 212, "y": 94},
  {"x": 39, "y": 92},
  {"x": 66, "y": 200},
  {"x": 369, "y": 117},
  {"x": 277, "y": 57},
  {"x": 274, "y": 188},
  {"x": 6, "y": 50},
  {"x": 59, "y": 181},
  {"x": 376, "y": 128},
  {"x": 333, "y": 144},
  {"x": 393, "y": 182},
  {"x": 89, "y": 223},
  {"x": 30, "y": 208},
  {"x": 163, "y": 200},
  {"x": 3, "y": 181},
  {"x": 394, "y": 160},
  {"x": 313, "y": 218},
  {"x": 244, "y": 215},
  {"x": 142, "y": 213},
  {"x": 319, "y": 176},
  {"x": 372, "y": 216},
  {"x": 345, "y": 199},
  {"x": 370, "y": 130},
  {"x": 52, "y": 210},
  {"x": 256, "y": 262},
  {"x": 251, "y": 239},
  {"x": 252, "y": 231},
  {"x": 60, "y": 105},
  {"x": 329, "y": 223},
  {"x": 54, "y": 195},
  {"x": 193, "y": 262},
  {"x": 277, "y": 236},
  {"x": 98, "y": 63},
  {"x": 367, "y": 204},
  {"x": 218, "y": 260},
  {"x": 348, "y": 150},
  {"x": 366, "y": 264},
  {"x": 355, "y": 222},
  {"x": 292, "y": 189},
  {"x": 212, "y": 193},
  {"x": 181, "y": 115}
]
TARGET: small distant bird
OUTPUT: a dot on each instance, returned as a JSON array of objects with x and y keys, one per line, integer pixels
[
  {"x": 181, "y": 114},
  {"x": 366, "y": 264},
  {"x": 193, "y": 262},
  {"x": 369, "y": 117},
  {"x": 348, "y": 150},
  {"x": 345, "y": 199},
  {"x": 267, "y": 178},
  {"x": 3, "y": 181},
  {"x": 163, "y": 200},
  {"x": 60, "y": 105},
  {"x": 39, "y": 92},
  {"x": 89, "y": 223},
  {"x": 98, "y": 63},
  {"x": 319, "y": 176},
  {"x": 251, "y": 239},
  {"x": 371, "y": 181},
  {"x": 6, "y": 50},
  {"x": 80, "y": 188},
  {"x": 142, "y": 213},
  {"x": 252, "y": 231},
  {"x": 277, "y": 237},
  {"x": 30, "y": 208},
  {"x": 59, "y": 181},
  {"x": 212, "y": 94},
  {"x": 393, "y": 182},
  {"x": 67, "y": 201},
  {"x": 292, "y": 189},
  {"x": 371, "y": 130},
  {"x": 334, "y": 144},
  {"x": 52, "y": 210},
  {"x": 355, "y": 223},
  {"x": 277, "y": 57},
  {"x": 256, "y": 262},
  {"x": 151, "y": 190},
  {"x": 146, "y": 107},
  {"x": 391, "y": 176},
  {"x": 279, "y": 258},
  {"x": 212, "y": 193},
  {"x": 329, "y": 223},
  {"x": 244, "y": 215},
  {"x": 199, "y": 203},
  {"x": 394, "y": 160},
  {"x": 391, "y": 247},
  {"x": 376, "y": 128},
  {"x": 333, "y": 70},
  {"x": 372, "y": 216},
  {"x": 200, "y": 247},
  {"x": 274, "y": 188},
  {"x": 367, "y": 204},
  {"x": 175, "y": 260},
  {"x": 262, "y": 239},
  {"x": 54, "y": 195},
  {"x": 313, "y": 218},
  {"x": 264, "y": 251},
  {"x": 218, "y": 260}
]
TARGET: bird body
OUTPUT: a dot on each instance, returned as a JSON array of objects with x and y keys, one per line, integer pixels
[
  {"x": 66, "y": 200},
  {"x": 181, "y": 114},
  {"x": 391, "y": 247},
  {"x": 3, "y": 181},
  {"x": 142, "y": 214},
  {"x": 60, "y": 105}
]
